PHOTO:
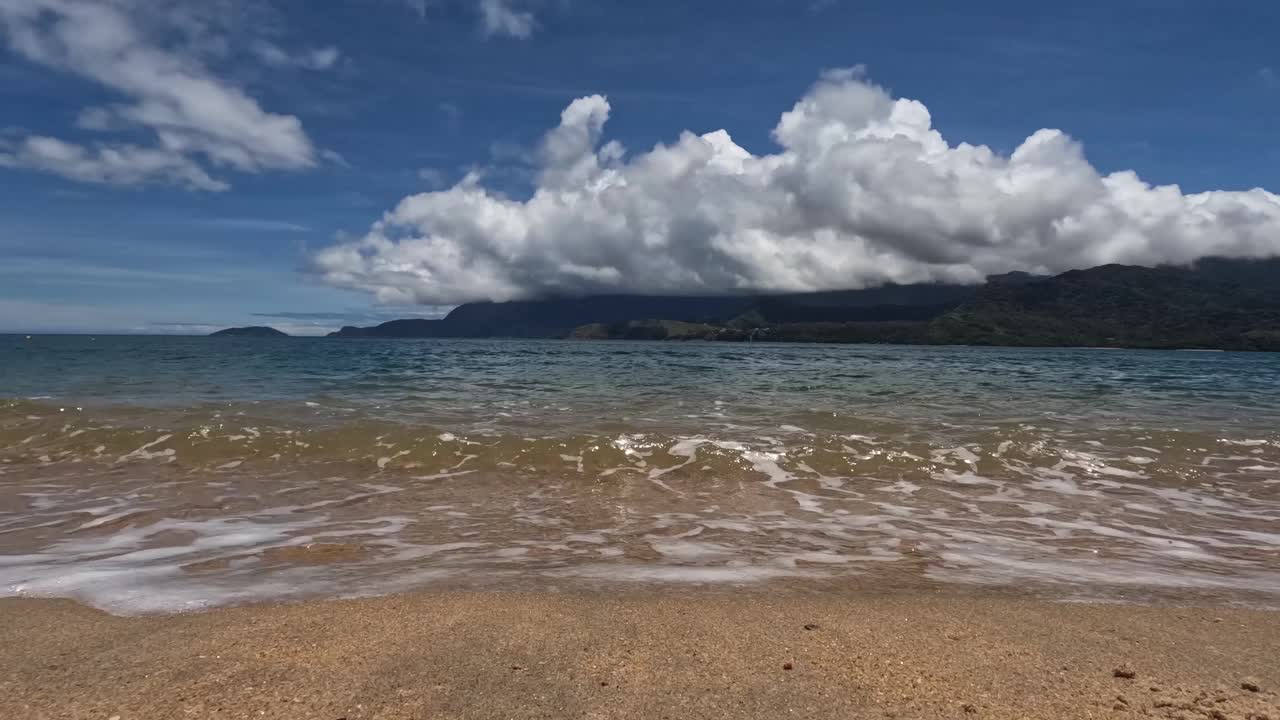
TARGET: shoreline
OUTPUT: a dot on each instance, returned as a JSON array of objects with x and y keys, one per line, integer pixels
[
  {"x": 642, "y": 654},
  {"x": 677, "y": 341}
]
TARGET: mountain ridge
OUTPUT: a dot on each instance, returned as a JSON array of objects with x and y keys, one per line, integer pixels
[
  {"x": 257, "y": 331},
  {"x": 558, "y": 317},
  {"x": 1215, "y": 304}
]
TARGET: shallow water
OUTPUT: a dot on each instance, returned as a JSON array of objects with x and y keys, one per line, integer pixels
[{"x": 162, "y": 474}]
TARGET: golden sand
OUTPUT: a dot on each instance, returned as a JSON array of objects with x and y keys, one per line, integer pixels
[{"x": 547, "y": 655}]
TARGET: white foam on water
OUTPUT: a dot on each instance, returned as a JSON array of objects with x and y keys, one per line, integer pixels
[
  {"x": 687, "y": 449},
  {"x": 689, "y": 551},
  {"x": 1164, "y": 544},
  {"x": 814, "y": 557},
  {"x": 1062, "y": 484},
  {"x": 628, "y": 444},
  {"x": 1262, "y": 537},
  {"x": 1040, "y": 511},
  {"x": 1188, "y": 501},
  {"x": 443, "y": 475},
  {"x": 680, "y": 574},
  {"x": 385, "y": 460},
  {"x": 965, "y": 478},
  {"x": 417, "y": 552},
  {"x": 862, "y": 439},
  {"x": 118, "y": 574},
  {"x": 732, "y": 525},
  {"x": 143, "y": 453},
  {"x": 767, "y": 463},
  {"x": 107, "y": 515},
  {"x": 963, "y": 454},
  {"x": 976, "y": 566}
]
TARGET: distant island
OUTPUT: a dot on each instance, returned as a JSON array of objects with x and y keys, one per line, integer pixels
[
  {"x": 257, "y": 331},
  {"x": 1215, "y": 304}
]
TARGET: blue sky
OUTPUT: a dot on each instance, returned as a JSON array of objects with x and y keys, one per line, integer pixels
[{"x": 222, "y": 225}]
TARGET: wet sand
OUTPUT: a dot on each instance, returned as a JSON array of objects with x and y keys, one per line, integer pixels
[{"x": 549, "y": 655}]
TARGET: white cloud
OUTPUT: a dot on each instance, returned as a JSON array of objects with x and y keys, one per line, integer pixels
[
  {"x": 314, "y": 59},
  {"x": 101, "y": 119},
  {"x": 116, "y": 164},
  {"x": 252, "y": 224},
  {"x": 434, "y": 177},
  {"x": 497, "y": 17},
  {"x": 1269, "y": 78},
  {"x": 505, "y": 151},
  {"x": 334, "y": 157},
  {"x": 863, "y": 191},
  {"x": 166, "y": 89},
  {"x": 452, "y": 114}
]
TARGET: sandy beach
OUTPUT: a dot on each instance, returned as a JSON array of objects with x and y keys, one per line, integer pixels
[{"x": 549, "y": 655}]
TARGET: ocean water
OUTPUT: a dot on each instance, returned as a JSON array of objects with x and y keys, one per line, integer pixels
[{"x": 161, "y": 474}]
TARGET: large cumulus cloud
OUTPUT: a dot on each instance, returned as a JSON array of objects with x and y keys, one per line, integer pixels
[{"x": 863, "y": 191}]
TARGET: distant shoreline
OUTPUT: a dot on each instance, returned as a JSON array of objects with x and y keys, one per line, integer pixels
[
  {"x": 1215, "y": 304},
  {"x": 780, "y": 343}
]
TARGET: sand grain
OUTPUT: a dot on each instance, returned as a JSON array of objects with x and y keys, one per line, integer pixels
[{"x": 548, "y": 655}]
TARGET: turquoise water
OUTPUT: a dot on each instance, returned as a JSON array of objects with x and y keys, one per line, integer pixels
[
  {"x": 570, "y": 386},
  {"x": 146, "y": 474}
]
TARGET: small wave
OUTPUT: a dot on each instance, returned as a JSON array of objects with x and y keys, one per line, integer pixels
[{"x": 136, "y": 510}]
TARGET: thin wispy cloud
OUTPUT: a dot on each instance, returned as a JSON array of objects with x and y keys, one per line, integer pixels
[
  {"x": 500, "y": 17},
  {"x": 310, "y": 316},
  {"x": 495, "y": 18},
  {"x": 452, "y": 114},
  {"x": 1269, "y": 78},
  {"x": 148, "y": 53},
  {"x": 323, "y": 58},
  {"x": 64, "y": 272},
  {"x": 251, "y": 224},
  {"x": 361, "y": 316},
  {"x": 433, "y": 177}
]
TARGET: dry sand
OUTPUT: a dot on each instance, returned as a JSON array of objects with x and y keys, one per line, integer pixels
[{"x": 549, "y": 655}]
